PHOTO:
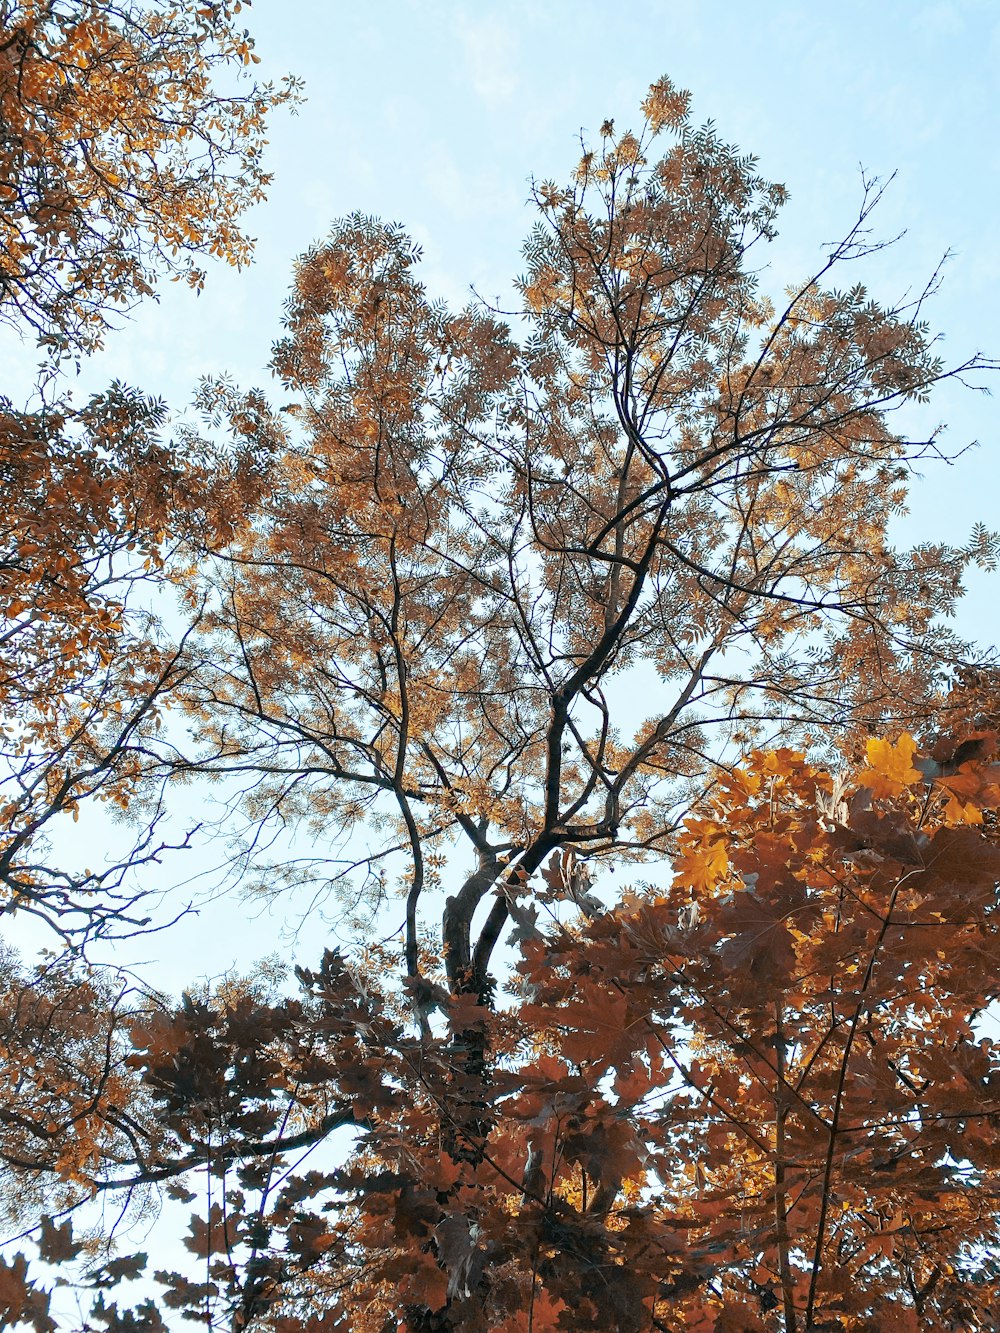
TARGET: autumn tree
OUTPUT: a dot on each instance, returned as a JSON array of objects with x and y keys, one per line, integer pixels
[
  {"x": 504, "y": 615},
  {"x": 504, "y": 598},
  {"x": 97, "y": 497},
  {"x": 131, "y": 146},
  {"x": 754, "y": 1098},
  {"x": 128, "y": 151}
]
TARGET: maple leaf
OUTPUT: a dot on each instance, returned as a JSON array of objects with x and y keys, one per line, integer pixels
[
  {"x": 594, "y": 1026},
  {"x": 704, "y": 857},
  {"x": 308, "y": 1238},
  {"x": 761, "y": 940},
  {"x": 890, "y": 766},
  {"x": 125, "y": 1267},
  {"x": 212, "y": 1235},
  {"x": 21, "y": 1302},
  {"x": 55, "y": 1243}
]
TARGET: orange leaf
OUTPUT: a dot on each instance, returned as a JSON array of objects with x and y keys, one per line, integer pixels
[{"x": 890, "y": 767}]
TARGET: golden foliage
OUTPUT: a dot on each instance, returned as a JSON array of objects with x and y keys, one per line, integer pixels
[{"x": 122, "y": 157}]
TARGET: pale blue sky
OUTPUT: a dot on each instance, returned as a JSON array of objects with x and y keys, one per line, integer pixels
[{"x": 437, "y": 114}]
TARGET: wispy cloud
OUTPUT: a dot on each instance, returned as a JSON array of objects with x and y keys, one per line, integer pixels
[{"x": 489, "y": 47}]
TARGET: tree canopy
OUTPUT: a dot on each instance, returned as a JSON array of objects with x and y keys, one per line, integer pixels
[
  {"x": 122, "y": 158},
  {"x": 126, "y": 153},
  {"x": 573, "y": 657}
]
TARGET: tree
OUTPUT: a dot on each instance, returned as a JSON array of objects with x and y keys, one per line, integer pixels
[
  {"x": 756, "y": 1099},
  {"x": 121, "y": 159},
  {"x": 477, "y": 559},
  {"x": 123, "y": 155},
  {"x": 96, "y": 498},
  {"x": 501, "y": 617}
]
